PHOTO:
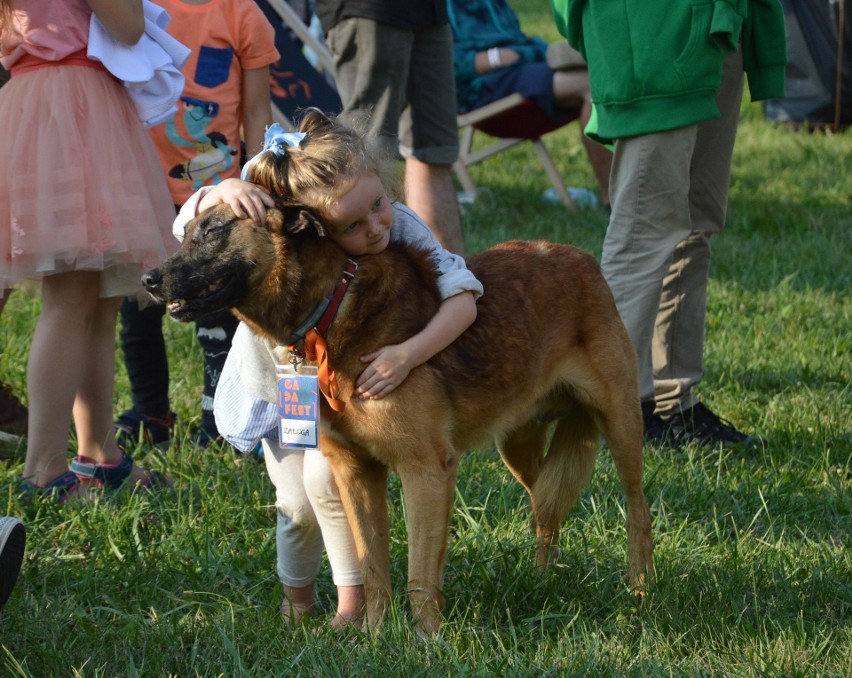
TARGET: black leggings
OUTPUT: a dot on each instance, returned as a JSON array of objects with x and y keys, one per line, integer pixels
[{"x": 147, "y": 363}]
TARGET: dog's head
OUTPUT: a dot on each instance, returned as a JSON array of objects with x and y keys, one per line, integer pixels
[{"x": 222, "y": 259}]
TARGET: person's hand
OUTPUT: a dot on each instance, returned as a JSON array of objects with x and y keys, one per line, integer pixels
[
  {"x": 248, "y": 200},
  {"x": 388, "y": 368},
  {"x": 508, "y": 56}
]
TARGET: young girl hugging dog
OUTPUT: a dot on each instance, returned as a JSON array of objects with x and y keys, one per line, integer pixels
[{"x": 334, "y": 171}]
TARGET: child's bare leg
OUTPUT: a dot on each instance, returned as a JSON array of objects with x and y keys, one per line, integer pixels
[
  {"x": 350, "y": 607},
  {"x": 57, "y": 366},
  {"x": 93, "y": 404}
]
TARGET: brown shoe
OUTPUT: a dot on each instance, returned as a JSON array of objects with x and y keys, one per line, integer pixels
[{"x": 13, "y": 415}]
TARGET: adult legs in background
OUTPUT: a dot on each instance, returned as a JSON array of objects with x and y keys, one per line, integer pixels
[
  {"x": 371, "y": 64},
  {"x": 429, "y": 136},
  {"x": 394, "y": 74},
  {"x": 678, "y": 347},
  {"x": 678, "y": 342},
  {"x": 676, "y": 185},
  {"x": 650, "y": 218},
  {"x": 431, "y": 193}
]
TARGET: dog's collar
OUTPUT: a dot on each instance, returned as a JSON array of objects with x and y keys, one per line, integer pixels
[
  {"x": 310, "y": 338},
  {"x": 324, "y": 312}
]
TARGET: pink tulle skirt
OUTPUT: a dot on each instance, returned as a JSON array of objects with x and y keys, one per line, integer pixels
[{"x": 81, "y": 187}]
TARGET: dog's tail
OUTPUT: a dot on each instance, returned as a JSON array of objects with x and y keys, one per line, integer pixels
[{"x": 566, "y": 468}]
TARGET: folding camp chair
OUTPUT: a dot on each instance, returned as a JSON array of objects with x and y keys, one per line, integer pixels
[{"x": 511, "y": 120}]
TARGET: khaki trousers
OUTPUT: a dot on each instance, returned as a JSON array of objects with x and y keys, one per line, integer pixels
[{"x": 669, "y": 193}]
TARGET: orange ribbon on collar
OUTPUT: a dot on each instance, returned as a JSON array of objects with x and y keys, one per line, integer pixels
[{"x": 316, "y": 350}]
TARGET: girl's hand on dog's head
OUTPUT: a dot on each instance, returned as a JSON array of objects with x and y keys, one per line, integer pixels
[{"x": 247, "y": 200}]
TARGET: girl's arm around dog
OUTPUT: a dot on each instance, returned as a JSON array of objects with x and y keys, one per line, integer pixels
[{"x": 390, "y": 365}]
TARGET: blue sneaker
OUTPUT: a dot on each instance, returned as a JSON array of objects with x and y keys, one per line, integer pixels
[{"x": 61, "y": 489}]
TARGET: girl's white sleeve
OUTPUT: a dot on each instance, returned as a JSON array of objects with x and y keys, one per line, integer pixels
[
  {"x": 242, "y": 420},
  {"x": 246, "y": 400},
  {"x": 454, "y": 277},
  {"x": 188, "y": 212}
]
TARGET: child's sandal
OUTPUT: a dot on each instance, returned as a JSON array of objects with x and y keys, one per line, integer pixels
[
  {"x": 62, "y": 488},
  {"x": 114, "y": 475}
]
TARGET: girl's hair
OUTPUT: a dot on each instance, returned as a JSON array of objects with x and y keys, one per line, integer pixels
[
  {"x": 5, "y": 14},
  {"x": 318, "y": 171}
]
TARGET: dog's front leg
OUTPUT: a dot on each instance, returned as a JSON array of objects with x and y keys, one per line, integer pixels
[
  {"x": 362, "y": 484},
  {"x": 428, "y": 480}
]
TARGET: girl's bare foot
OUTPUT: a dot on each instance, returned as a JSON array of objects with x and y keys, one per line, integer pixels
[
  {"x": 351, "y": 607},
  {"x": 344, "y": 621},
  {"x": 298, "y": 603}
]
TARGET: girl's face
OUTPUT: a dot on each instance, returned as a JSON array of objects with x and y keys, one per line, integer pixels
[{"x": 360, "y": 221}]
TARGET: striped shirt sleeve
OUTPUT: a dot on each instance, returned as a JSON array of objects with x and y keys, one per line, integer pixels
[{"x": 241, "y": 419}]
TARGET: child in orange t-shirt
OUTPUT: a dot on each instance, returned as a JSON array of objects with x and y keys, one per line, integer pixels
[{"x": 227, "y": 89}]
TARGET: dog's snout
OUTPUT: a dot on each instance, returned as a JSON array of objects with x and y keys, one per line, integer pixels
[{"x": 152, "y": 279}]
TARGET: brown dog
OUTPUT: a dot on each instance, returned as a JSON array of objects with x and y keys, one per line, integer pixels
[{"x": 547, "y": 359}]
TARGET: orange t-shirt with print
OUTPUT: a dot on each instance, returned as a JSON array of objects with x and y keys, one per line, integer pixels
[{"x": 200, "y": 146}]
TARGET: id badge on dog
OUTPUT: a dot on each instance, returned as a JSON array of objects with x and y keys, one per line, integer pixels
[{"x": 298, "y": 406}]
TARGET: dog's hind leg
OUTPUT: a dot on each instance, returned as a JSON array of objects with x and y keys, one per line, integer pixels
[
  {"x": 428, "y": 481},
  {"x": 622, "y": 429},
  {"x": 362, "y": 484},
  {"x": 565, "y": 473}
]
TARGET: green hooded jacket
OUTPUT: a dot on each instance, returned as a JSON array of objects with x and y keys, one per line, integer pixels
[{"x": 655, "y": 65}]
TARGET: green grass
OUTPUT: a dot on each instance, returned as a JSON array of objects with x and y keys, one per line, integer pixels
[{"x": 753, "y": 566}]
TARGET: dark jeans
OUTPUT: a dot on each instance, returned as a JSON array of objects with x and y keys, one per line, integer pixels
[
  {"x": 145, "y": 357},
  {"x": 214, "y": 333},
  {"x": 146, "y": 360}
]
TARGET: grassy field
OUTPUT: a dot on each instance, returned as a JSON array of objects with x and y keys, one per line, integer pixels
[{"x": 753, "y": 565}]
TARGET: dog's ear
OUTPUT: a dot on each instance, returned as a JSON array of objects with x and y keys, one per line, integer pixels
[{"x": 303, "y": 221}]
